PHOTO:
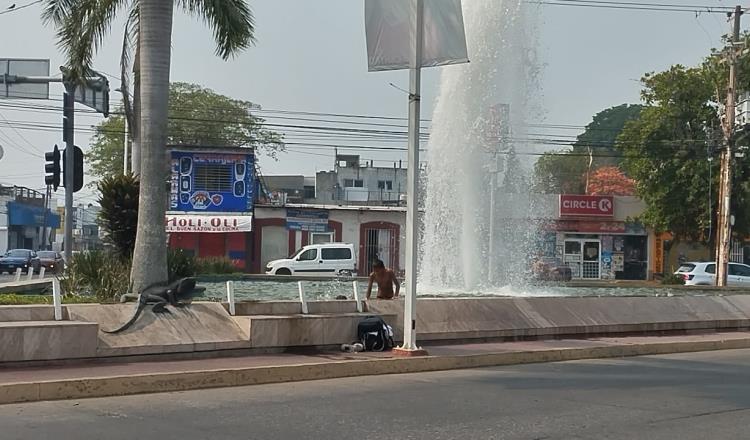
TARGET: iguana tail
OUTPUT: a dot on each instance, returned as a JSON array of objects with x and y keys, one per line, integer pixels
[{"x": 140, "y": 305}]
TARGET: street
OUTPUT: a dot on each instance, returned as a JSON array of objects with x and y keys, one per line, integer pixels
[{"x": 688, "y": 396}]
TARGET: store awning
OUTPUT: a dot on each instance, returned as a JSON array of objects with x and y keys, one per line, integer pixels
[
  {"x": 21, "y": 214},
  {"x": 209, "y": 223}
]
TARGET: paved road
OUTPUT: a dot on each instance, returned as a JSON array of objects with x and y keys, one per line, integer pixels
[{"x": 689, "y": 396}]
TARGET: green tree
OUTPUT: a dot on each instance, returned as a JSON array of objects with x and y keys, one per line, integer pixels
[
  {"x": 671, "y": 151},
  {"x": 197, "y": 116},
  {"x": 82, "y": 25},
  {"x": 566, "y": 171}
]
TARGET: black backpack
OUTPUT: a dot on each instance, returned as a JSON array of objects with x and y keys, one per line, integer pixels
[{"x": 375, "y": 334}]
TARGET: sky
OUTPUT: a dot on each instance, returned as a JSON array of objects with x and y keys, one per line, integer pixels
[{"x": 311, "y": 57}]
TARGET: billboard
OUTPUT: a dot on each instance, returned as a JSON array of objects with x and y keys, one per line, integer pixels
[
  {"x": 209, "y": 223},
  {"x": 307, "y": 220},
  {"x": 586, "y": 206},
  {"x": 212, "y": 182}
]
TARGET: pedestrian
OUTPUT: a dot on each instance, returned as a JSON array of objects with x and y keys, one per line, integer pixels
[{"x": 386, "y": 279}]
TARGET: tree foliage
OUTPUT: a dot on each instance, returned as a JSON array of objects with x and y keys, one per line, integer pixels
[
  {"x": 198, "y": 117},
  {"x": 671, "y": 151},
  {"x": 565, "y": 171},
  {"x": 611, "y": 181}
]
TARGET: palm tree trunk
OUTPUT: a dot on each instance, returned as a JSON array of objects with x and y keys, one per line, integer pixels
[
  {"x": 150, "y": 253},
  {"x": 135, "y": 157}
]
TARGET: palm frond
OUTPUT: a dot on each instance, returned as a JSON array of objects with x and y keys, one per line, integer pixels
[
  {"x": 232, "y": 23},
  {"x": 82, "y": 31},
  {"x": 57, "y": 11}
]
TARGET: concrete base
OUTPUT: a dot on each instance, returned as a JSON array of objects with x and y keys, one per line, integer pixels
[
  {"x": 47, "y": 340},
  {"x": 406, "y": 352}
]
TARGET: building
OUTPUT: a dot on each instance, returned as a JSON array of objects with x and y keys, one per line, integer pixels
[
  {"x": 25, "y": 220},
  {"x": 211, "y": 202},
  {"x": 375, "y": 231}
]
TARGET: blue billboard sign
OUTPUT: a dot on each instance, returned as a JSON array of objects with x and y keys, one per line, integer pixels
[
  {"x": 307, "y": 220},
  {"x": 212, "y": 182}
]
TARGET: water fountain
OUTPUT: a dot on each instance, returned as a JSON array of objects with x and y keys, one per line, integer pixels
[{"x": 476, "y": 229}]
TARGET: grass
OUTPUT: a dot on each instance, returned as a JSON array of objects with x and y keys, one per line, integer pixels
[{"x": 13, "y": 299}]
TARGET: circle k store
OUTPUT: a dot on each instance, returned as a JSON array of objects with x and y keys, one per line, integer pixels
[{"x": 596, "y": 237}]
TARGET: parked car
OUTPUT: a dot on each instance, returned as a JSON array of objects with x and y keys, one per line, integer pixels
[
  {"x": 51, "y": 260},
  {"x": 329, "y": 259},
  {"x": 23, "y": 258},
  {"x": 551, "y": 269},
  {"x": 704, "y": 274}
]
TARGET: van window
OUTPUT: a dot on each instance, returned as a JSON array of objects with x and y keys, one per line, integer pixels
[
  {"x": 710, "y": 268},
  {"x": 686, "y": 268},
  {"x": 308, "y": 255},
  {"x": 337, "y": 253}
]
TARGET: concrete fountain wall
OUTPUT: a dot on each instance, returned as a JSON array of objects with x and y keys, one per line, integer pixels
[{"x": 29, "y": 333}]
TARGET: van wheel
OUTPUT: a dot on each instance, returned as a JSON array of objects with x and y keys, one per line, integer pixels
[
  {"x": 283, "y": 271},
  {"x": 345, "y": 273}
]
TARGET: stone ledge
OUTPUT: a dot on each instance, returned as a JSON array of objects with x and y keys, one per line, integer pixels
[{"x": 47, "y": 340}]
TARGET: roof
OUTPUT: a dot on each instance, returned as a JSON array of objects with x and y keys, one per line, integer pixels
[{"x": 337, "y": 207}]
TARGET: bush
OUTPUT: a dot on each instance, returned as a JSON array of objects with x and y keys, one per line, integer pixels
[
  {"x": 215, "y": 265},
  {"x": 118, "y": 197},
  {"x": 673, "y": 279},
  {"x": 101, "y": 274},
  {"x": 12, "y": 299},
  {"x": 180, "y": 264}
]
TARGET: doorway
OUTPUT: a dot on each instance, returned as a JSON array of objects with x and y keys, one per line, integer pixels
[{"x": 583, "y": 257}]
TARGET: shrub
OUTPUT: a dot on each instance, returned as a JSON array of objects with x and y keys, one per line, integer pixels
[
  {"x": 180, "y": 264},
  {"x": 118, "y": 197},
  {"x": 15, "y": 299},
  {"x": 215, "y": 265},
  {"x": 104, "y": 275},
  {"x": 673, "y": 279}
]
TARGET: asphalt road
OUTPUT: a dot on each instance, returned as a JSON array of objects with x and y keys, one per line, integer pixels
[{"x": 689, "y": 396}]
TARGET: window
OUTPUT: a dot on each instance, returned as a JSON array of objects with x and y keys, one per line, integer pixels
[
  {"x": 385, "y": 184},
  {"x": 19, "y": 253},
  {"x": 336, "y": 253},
  {"x": 359, "y": 183},
  {"x": 686, "y": 268},
  {"x": 710, "y": 268},
  {"x": 321, "y": 237},
  {"x": 308, "y": 192},
  {"x": 354, "y": 183},
  {"x": 739, "y": 270},
  {"x": 308, "y": 255},
  {"x": 348, "y": 183},
  {"x": 212, "y": 178}
]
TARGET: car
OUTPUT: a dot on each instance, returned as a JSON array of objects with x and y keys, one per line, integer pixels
[
  {"x": 328, "y": 259},
  {"x": 704, "y": 274},
  {"x": 19, "y": 258},
  {"x": 551, "y": 269},
  {"x": 52, "y": 261}
]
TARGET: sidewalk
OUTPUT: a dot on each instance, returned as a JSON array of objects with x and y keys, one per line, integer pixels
[{"x": 98, "y": 380}]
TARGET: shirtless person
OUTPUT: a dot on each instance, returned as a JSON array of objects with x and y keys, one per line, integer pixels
[{"x": 385, "y": 279}]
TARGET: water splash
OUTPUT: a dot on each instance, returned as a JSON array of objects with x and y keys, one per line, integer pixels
[{"x": 477, "y": 232}]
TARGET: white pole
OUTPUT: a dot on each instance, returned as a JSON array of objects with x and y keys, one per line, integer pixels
[
  {"x": 302, "y": 299},
  {"x": 412, "y": 187},
  {"x": 30, "y": 273},
  {"x": 230, "y": 297},
  {"x": 355, "y": 286},
  {"x": 18, "y": 274},
  {"x": 125, "y": 150},
  {"x": 56, "y": 299},
  {"x": 41, "y": 272}
]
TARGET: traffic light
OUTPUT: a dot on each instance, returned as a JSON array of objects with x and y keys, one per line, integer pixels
[
  {"x": 52, "y": 167},
  {"x": 77, "y": 168}
]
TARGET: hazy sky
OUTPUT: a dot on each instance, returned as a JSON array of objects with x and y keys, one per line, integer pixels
[{"x": 311, "y": 57}]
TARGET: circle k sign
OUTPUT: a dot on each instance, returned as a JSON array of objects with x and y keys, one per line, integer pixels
[{"x": 586, "y": 206}]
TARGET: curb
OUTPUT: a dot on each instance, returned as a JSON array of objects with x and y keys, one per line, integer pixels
[{"x": 195, "y": 380}]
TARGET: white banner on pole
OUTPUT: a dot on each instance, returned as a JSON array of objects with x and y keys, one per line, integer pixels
[{"x": 390, "y": 30}]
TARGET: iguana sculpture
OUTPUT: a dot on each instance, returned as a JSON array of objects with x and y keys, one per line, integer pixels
[{"x": 176, "y": 294}]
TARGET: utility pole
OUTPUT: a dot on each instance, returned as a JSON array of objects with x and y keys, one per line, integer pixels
[{"x": 724, "y": 241}]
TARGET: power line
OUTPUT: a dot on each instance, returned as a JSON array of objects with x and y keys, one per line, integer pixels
[{"x": 18, "y": 8}]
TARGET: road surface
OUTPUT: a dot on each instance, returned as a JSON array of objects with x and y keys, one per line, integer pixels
[{"x": 687, "y": 396}]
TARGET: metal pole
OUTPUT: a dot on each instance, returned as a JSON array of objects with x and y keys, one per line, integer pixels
[
  {"x": 412, "y": 187},
  {"x": 125, "y": 150},
  {"x": 725, "y": 185},
  {"x": 490, "y": 254},
  {"x": 69, "y": 108}
]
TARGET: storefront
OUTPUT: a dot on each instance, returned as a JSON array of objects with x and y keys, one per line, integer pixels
[
  {"x": 211, "y": 203},
  {"x": 594, "y": 239},
  {"x": 29, "y": 226}
]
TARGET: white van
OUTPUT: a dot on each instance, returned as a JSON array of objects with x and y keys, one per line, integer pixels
[{"x": 329, "y": 259}]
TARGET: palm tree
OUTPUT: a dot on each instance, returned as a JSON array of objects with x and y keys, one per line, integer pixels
[{"x": 82, "y": 26}]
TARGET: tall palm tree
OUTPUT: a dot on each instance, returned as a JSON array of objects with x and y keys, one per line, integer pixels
[{"x": 82, "y": 26}]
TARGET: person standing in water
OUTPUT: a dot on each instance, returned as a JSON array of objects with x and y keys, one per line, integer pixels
[{"x": 386, "y": 279}]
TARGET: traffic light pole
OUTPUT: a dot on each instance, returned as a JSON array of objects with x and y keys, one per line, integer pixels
[{"x": 68, "y": 124}]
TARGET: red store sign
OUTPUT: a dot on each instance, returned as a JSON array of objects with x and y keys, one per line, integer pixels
[{"x": 586, "y": 206}]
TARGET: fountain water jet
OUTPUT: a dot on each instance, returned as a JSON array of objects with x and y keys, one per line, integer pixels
[{"x": 480, "y": 107}]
